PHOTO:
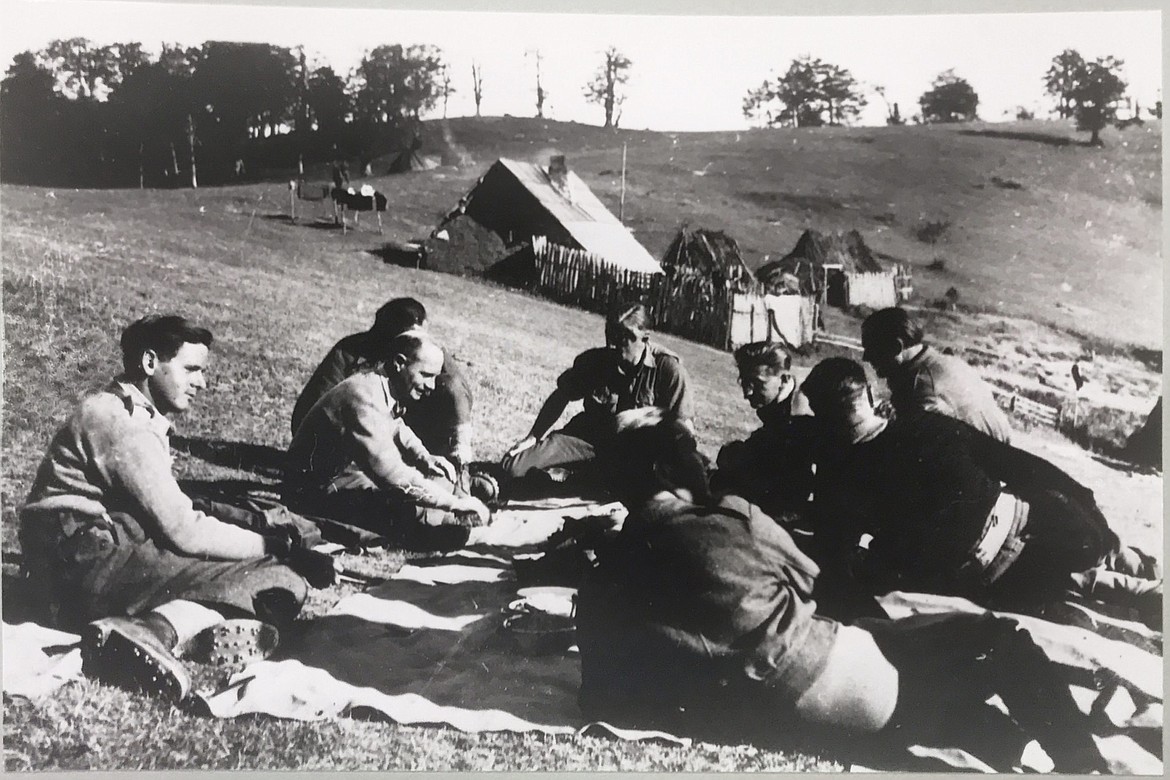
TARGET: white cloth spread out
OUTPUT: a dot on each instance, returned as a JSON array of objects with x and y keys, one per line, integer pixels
[
  {"x": 429, "y": 646},
  {"x": 38, "y": 660}
]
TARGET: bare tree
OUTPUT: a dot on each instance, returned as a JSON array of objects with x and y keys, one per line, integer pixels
[
  {"x": 540, "y": 93},
  {"x": 604, "y": 88},
  {"x": 445, "y": 87},
  {"x": 477, "y": 84}
]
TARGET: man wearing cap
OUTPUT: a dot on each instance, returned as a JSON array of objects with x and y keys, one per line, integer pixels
[
  {"x": 922, "y": 378},
  {"x": 948, "y": 509},
  {"x": 113, "y": 547},
  {"x": 628, "y": 373},
  {"x": 354, "y": 459}
]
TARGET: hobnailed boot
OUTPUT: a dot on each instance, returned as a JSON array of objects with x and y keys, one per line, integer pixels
[
  {"x": 130, "y": 653},
  {"x": 232, "y": 644}
]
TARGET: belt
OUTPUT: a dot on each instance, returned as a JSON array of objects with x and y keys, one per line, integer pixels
[{"x": 1001, "y": 541}]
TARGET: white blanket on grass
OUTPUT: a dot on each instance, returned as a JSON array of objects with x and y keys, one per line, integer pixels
[{"x": 428, "y": 647}]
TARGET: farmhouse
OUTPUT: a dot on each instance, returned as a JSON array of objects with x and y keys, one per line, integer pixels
[{"x": 519, "y": 201}]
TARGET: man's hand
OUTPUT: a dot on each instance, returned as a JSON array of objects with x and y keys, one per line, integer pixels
[
  {"x": 519, "y": 447},
  {"x": 472, "y": 505},
  {"x": 441, "y": 467},
  {"x": 316, "y": 567}
]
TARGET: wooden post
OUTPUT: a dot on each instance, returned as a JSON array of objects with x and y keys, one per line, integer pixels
[
  {"x": 622, "y": 205},
  {"x": 191, "y": 141}
]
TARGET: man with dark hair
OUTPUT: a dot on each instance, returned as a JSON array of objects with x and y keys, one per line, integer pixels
[
  {"x": 771, "y": 468},
  {"x": 355, "y": 460},
  {"x": 699, "y": 613},
  {"x": 951, "y": 510},
  {"x": 441, "y": 419},
  {"x": 627, "y": 373},
  {"x": 109, "y": 539},
  {"x": 921, "y": 378}
]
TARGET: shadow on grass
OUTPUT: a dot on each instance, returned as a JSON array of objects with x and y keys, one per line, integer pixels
[
  {"x": 317, "y": 223},
  {"x": 1016, "y": 135},
  {"x": 259, "y": 459},
  {"x": 398, "y": 254}
]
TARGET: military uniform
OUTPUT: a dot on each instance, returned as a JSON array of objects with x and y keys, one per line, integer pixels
[{"x": 599, "y": 380}]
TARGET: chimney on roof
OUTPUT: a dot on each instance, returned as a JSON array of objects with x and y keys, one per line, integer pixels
[{"x": 558, "y": 174}]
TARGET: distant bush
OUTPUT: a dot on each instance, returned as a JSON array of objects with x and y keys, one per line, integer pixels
[
  {"x": 929, "y": 231},
  {"x": 937, "y": 264}
]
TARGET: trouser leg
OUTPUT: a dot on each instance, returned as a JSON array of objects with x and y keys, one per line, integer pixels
[
  {"x": 403, "y": 524},
  {"x": 117, "y": 570},
  {"x": 950, "y": 664},
  {"x": 555, "y": 450},
  {"x": 1063, "y": 535}
]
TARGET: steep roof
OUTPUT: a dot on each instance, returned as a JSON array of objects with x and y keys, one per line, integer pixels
[{"x": 584, "y": 217}]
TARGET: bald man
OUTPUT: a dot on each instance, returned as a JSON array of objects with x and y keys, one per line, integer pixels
[{"x": 354, "y": 459}]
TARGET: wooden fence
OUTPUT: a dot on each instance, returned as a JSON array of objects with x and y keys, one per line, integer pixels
[
  {"x": 690, "y": 306},
  {"x": 877, "y": 290},
  {"x": 1030, "y": 410},
  {"x": 789, "y": 319}
]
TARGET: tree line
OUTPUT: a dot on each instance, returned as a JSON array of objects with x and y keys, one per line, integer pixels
[
  {"x": 813, "y": 93},
  {"x": 78, "y": 114}
]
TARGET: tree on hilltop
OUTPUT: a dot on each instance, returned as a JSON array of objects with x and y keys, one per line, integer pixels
[
  {"x": 396, "y": 83},
  {"x": 541, "y": 94},
  {"x": 477, "y": 84},
  {"x": 1098, "y": 91},
  {"x": 605, "y": 89},
  {"x": 1061, "y": 80},
  {"x": 950, "y": 99},
  {"x": 811, "y": 93}
]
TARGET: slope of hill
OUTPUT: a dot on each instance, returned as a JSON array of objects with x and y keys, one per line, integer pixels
[
  {"x": 1030, "y": 221},
  {"x": 78, "y": 265}
]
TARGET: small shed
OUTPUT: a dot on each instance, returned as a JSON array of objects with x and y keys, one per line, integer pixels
[
  {"x": 838, "y": 269},
  {"x": 711, "y": 254}
]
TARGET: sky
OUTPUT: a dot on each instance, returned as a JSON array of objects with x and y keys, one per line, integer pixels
[{"x": 688, "y": 73}]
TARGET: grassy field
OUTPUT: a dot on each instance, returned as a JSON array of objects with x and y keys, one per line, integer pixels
[{"x": 79, "y": 265}]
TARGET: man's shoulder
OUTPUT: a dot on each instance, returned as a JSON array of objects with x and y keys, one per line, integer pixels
[
  {"x": 363, "y": 383},
  {"x": 104, "y": 404},
  {"x": 350, "y": 347},
  {"x": 595, "y": 358},
  {"x": 663, "y": 355}
]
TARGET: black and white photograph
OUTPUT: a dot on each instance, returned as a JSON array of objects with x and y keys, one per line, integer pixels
[{"x": 760, "y": 388}]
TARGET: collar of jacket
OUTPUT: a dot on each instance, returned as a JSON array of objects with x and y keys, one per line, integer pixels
[{"x": 137, "y": 404}]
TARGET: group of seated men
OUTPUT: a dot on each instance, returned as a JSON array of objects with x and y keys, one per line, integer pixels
[{"x": 759, "y": 573}]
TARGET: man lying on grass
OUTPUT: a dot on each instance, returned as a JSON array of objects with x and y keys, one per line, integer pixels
[
  {"x": 627, "y": 373},
  {"x": 955, "y": 511},
  {"x": 355, "y": 460},
  {"x": 441, "y": 419},
  {"x": 108, "y": 537},
  {"x": 699, "y": 612}
]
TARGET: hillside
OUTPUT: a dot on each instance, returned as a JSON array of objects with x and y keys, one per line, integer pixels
[
  {"x": 78, "y": 265},
  {"x": 1037, "y": 224}
]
